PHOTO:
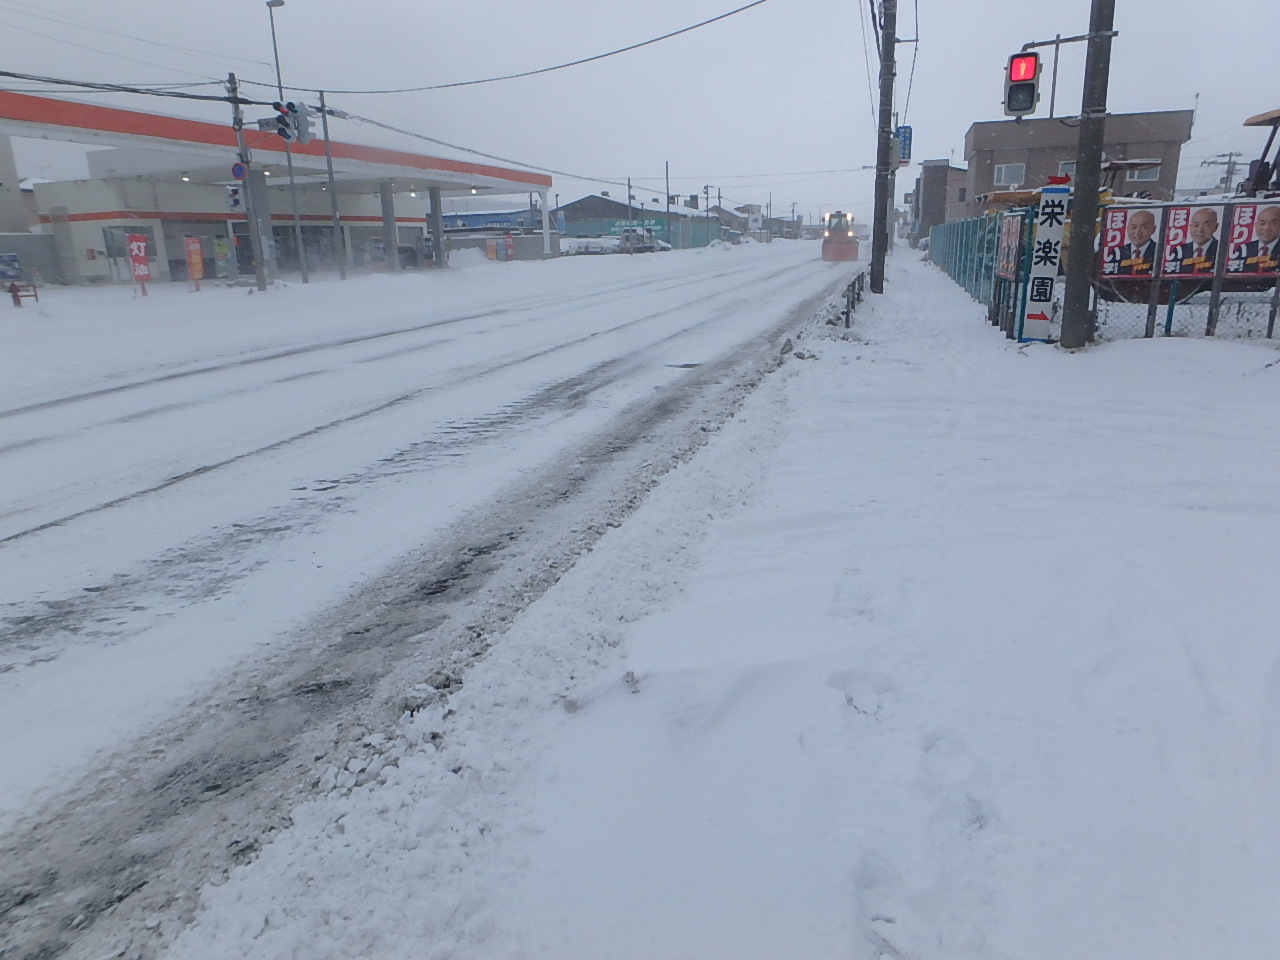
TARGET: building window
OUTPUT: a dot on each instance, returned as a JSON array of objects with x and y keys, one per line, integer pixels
[
  {"x": 1010, "y": 174},
  {"x": 1151, "y": 173},
  {"x": 963, "y": 192},
  {"x": 1066, "y": 168},
  {"x": 116, "y": 240}
]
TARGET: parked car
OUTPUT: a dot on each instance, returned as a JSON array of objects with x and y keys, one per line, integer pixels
[{"x": 638, "y": 240}]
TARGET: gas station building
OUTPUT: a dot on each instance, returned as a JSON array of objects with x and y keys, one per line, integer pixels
[{"x": 171, "y": 179}]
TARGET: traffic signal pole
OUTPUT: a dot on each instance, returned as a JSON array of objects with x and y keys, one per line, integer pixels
[
  {"x": 1077, "y": 317},
  {"x": 250, "y": 213},
  {"x": 884, "y": 141}
]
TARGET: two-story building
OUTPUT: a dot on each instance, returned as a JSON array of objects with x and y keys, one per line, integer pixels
[{"x": 1005, "y": 155}]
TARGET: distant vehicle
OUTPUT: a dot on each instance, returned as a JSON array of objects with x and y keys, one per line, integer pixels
[
  {"x": 638, "y": 240},
  {"x": 839, "y": 240},
  {"x": 600, "y": 245}
]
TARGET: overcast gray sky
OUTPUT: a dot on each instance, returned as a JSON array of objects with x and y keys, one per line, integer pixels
[{"x": 764, "y": 102}]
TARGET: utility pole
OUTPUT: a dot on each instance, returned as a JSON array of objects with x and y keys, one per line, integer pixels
[
  {"x": 339, "y": 245},
  {"x": 1077, "y": 317},
  {"x": 242, "y": 151},
  {"x": 288, "y": 150},
  {"x": 884, "y": 142},
  {"x": 1229, "y": 163},
  {"x": 666, "y": 223}
]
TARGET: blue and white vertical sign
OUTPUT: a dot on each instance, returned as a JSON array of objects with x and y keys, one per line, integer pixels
[
  {"x": 1046, "y": 257},
  {"x": 903, "y": 136}
]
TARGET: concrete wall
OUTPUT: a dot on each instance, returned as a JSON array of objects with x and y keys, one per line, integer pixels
[
  {"x": 526, "y": 246},
  {"x": 36, "y": 255}
]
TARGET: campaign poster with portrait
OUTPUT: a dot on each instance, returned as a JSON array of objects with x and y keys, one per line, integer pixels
[
  {"x": 1192, "y": 241},
  {"x": 1254, "y": 240},
  {"x": 1008, "y": 246},
  {"x": 1129, "y": 238}
]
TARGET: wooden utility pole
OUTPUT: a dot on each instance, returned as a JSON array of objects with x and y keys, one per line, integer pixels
[
  {"x": 1077, "y": 315},
  {"x": 884, "y": 143}
]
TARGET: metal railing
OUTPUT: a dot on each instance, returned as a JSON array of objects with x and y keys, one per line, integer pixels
[{"x": 853, "y": 295}]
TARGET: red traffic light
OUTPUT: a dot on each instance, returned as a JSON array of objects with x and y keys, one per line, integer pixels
[{"x": 1024, "y": 67}]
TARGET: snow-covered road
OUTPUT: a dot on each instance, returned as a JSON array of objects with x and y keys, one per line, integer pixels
[
  {"x": 941, "y": 648},
  {"x": 229, "y": 517}
]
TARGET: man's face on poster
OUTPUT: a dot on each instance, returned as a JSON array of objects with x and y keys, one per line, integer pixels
[
  {"x": 1267, "y": 226},
  {"x": 1140, "y": 228},
  {"x": 1204, "y": 224}
]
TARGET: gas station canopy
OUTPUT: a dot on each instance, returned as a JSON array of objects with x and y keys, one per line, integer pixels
[{"x": 204, "y": 152}]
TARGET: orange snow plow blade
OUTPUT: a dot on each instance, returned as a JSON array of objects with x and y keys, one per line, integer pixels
[{"x": 839, "y": 243}]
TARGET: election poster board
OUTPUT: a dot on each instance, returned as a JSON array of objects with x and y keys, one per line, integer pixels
[
  {"x": 1192, "y": 241},
  {"x": 1253, "y": 244},
  {"x": 1129, "y": 241}
]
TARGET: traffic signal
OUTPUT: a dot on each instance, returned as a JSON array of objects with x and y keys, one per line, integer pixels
[
  {"x": 234, "y": 199},
  {"x": 302, "y": 122},
  {"x": 286, "y": 120},
  {"x": 1022, "y": 84}
]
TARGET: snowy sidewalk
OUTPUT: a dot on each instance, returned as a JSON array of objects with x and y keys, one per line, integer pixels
[{"x": 943, "y": 648}]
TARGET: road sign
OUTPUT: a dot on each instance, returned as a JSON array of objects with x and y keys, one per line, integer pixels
[
  {"x": 903, "y": 136},
  {"x": 1046, "y": 258},
  {"x": 239, "y": 171}
]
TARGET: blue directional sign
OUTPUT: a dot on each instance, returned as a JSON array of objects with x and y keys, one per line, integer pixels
[{"x": 903, "y": 135}]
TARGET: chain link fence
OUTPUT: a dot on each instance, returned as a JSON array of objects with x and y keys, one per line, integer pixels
[
  {"x": 1240, "y": 314},
  {"x": 969, "y": 251}
]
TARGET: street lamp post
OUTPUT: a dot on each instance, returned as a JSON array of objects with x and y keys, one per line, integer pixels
[{"x": 288, "y": 150}]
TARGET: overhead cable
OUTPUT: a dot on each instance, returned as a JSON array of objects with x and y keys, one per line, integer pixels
[
  {"x": 561, "y": 66},
  {"x": 21, "y": 9},
  {"x": 126, "y": 88}
]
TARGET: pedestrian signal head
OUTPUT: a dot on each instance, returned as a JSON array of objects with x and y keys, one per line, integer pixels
[{"x": 1022, "y": 84}]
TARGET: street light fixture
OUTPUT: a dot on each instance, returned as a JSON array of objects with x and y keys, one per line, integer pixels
[{"x": 288, "y": 150}]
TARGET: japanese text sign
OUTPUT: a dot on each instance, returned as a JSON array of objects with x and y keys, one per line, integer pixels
[
  {"x": 1046, "y": 258},
  {"x": 141, "y": 266}
]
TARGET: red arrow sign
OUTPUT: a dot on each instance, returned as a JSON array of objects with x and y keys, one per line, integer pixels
[
  {"x": 1062, "y": 179},
  {"x": 1038, "y": 316}
]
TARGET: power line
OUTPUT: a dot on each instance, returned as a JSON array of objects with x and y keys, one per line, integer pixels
[
  {"x": 906, "y": 107},
  {"x": 866, "y": 62},
  {"x": 751, "y": 176},
  {"x": 126, "y": 88},
  {"x": 82, "y": 46},
  {"x": 561, "y": 66},
  {"x": 478, "y": 153},
  {"x": 141, "y": 87},
  {"x": 97, "y": 28}
]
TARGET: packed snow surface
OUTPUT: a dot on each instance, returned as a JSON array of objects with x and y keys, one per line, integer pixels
[{"x": 944, "y": 648}]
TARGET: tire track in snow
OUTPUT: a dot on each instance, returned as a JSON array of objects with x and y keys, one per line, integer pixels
[
  {"x": 114, "y": 869},
  {"x": 532, "y": 303},
  {"x": 375, "y": 409}
]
